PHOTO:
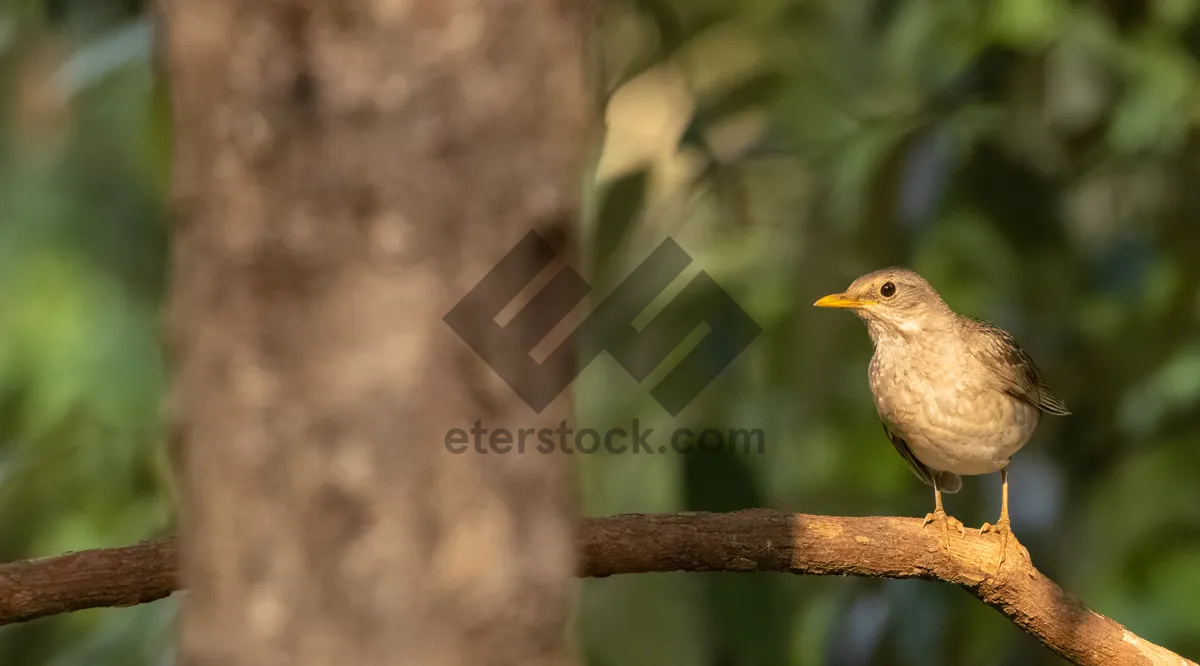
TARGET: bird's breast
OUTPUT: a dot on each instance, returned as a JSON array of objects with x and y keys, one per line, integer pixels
[{"x": 950, "y": 416}]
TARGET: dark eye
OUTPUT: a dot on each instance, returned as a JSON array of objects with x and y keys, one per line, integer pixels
[{"x": 887, "y": 290}]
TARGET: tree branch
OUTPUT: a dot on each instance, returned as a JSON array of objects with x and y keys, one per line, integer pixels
[
  {"x": 755, "y": 540},
  {"x": 106, "y": 577}
]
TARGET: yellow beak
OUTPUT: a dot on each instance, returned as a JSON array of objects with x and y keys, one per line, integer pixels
[{"x": 840, "y": 301}]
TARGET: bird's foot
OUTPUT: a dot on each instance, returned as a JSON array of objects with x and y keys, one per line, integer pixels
[
  {"x": 1003, "y": 527},
  {"x": 946, "y": 521}
]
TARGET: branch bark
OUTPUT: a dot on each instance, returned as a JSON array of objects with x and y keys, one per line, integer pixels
[{"x": 744, "y": 541}]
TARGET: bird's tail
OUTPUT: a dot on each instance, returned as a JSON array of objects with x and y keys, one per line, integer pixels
[{"x": 948, "y": 482}]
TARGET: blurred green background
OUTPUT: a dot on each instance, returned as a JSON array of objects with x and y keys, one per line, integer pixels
[{"x": 1035, "y": 159}]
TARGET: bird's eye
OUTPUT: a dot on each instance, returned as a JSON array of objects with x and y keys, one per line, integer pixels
[{"x": 887, "y": 290}]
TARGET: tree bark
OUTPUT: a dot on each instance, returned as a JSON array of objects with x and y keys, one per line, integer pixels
[{"x": 345, "y": 172}]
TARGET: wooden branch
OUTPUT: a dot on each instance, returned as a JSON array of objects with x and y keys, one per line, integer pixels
[
  {"x": 106, "y": 577},
  {"x": 755, "y": 540},
  {"x": 761, "y": 540}
]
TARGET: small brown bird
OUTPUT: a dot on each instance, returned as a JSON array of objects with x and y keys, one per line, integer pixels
[{"x": 956, "y": 395}]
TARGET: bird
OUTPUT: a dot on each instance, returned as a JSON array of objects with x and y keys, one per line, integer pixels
[{"x": 956, "y": 395}]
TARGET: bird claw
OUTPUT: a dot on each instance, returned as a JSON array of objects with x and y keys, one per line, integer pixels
[
  {"x": 946, "y": 520},
  {"x": 1003, "y": 527}
]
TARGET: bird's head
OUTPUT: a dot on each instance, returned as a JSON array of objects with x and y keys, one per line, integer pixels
[{"x": 893, "y": 301}]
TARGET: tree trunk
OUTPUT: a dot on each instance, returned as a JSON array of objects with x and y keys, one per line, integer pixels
[{"x": 345, "y": 172}]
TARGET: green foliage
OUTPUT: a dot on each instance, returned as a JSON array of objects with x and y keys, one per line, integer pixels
[
  {"x": 618, "y": 213},
  {"x": 82, "y": 250},
  {"x": 1035, "y": 160}
]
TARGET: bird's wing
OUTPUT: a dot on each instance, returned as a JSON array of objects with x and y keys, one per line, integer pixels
[
  {"x": 1015, "y": 371},
  {"x": 946, "y": 482},
  {"x": 923, "y": 473}
]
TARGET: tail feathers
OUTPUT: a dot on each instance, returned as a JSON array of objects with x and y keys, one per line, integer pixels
[{"x": 948, "y": 482}]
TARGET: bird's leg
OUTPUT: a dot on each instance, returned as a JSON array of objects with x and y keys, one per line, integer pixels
[
  {"x": 939, "y": 515},
  {"x": 1002, "y": 527}
]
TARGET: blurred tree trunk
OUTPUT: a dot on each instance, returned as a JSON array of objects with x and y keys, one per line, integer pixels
[{"x": 345, "y": 171}]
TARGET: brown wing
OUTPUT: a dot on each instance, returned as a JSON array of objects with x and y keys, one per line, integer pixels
[
  {"x": 1016, "y": 372},
  {"x": 946, "y": 482}
]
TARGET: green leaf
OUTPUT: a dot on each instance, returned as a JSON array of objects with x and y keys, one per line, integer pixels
[
  {"x": 674, "y": 30},
  {"x": 758, "y": 90},
  {"x": 1028, "y": 25},
  {"x": 619, "y": 207},
  {"x": 1157, "y": 110}
]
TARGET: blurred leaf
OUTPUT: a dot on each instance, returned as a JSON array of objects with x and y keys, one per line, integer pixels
[
  {"x": 673, "y": 28},
  {"x": 1174, "y": 13},
  {"x": 138, "y": 635},
  {"x": 115, "y": 50},
  {"x": 620, "y": 208},
  {"x": 1174, "y": 388},
  {"x": 928, "y": 44},
  {"x": 1029, "y": 25},
  {"x": 1159, "y": 106},
  {"x": 755, "y": 91},
  {"x": 859, "y": 166},
  {"x": 674, "y": 35}
]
